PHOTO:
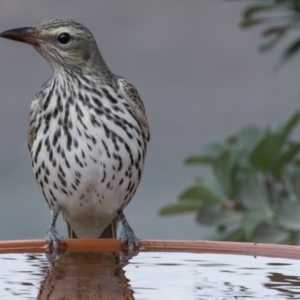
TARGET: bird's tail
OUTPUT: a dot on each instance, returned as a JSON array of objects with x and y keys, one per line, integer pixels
[{"x": 110, "y": 232}]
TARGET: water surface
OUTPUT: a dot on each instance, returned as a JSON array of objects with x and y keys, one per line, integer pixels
[{"x": 148, "y": 276}]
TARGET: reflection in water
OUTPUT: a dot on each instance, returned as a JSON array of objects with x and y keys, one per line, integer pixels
[
  {"x": 74, "y": 276},
  {"x": 148, "y": 275},
  {"x": 288, "y": 286},
  {"x": 86, "y": 276}
]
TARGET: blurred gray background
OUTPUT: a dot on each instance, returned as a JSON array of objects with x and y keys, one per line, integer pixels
[{"x": 199, "y": 75}]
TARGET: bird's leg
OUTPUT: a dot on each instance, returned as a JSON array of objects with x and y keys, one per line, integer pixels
[
  {"x": 127, "y": 234},
  {"x": 52, "y": 236}
]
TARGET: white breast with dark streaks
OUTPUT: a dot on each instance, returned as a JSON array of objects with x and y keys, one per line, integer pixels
[{"x": 87, "y": 153}]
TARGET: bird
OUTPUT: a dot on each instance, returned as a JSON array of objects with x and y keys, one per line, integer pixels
[{"x": 88, "y": 134}]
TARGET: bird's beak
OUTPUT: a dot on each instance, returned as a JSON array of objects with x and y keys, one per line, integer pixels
[{"x": 25, "y": 35}]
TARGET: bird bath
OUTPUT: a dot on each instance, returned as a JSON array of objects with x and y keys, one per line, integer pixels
[{"x": 95, "y": 269}]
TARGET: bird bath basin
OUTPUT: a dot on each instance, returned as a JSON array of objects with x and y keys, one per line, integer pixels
[{"x": 95, "y": 269}]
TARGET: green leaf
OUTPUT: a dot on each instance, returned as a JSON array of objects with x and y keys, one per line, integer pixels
[
  {"x": 252, "y": 10},
  {"x": 291, "y": 51},
  {"x": 213, "y": 149},
  {"x": 194, "y": 192},
  {"x": 289, "y": 189},
  {"x": 265, "y": 151},
  {"x": 283, "y": 159},
  {"x": 224, "y": 169},
  {"x": 273, "y": 31},
  {"x": 251, "y": 220},
  {"x": 248, "y": 137},
  {"x": 271, "y": 143},
  {"x": 249, "y": 23},
  {"x": 209, "y": 153},
  {"x": 279, "y": 33},
  {"x": 208, "y": 190},
  {"x": 245, "y": 166},
  {"x": 212, "y": 214},
  {"x": 281, "y": 134},
  {"x": 249, "y": 15},
  {"x": 288, "y": 214},
  {"x": 266, "y": 233},
  {"x": 268, "y": 46},
  {"x": 215, "y": 190},
  {"x": 288, "y": 126},
  {"x": 180, "y": 207},
  {"x": 294, "y": 177},
  {"x": 252, "y": 194}
]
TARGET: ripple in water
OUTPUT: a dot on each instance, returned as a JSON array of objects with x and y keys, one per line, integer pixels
[{"x": 148, "y": 276}]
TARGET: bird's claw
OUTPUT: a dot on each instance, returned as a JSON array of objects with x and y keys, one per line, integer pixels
[
  {"x": 53, "y": 239},
  {"x": 128, "y": 236}
]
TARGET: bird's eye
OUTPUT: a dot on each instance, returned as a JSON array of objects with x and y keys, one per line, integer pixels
[{"x": 63, "y": 38}]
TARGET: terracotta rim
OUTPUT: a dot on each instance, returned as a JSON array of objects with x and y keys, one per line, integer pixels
[{"x": 109, "y": 245}]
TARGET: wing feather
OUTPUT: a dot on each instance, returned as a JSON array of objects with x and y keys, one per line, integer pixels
[{"x": 131, "y": 95}]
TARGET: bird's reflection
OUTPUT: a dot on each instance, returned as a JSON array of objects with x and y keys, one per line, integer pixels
[{"x": 87, "y": 276}]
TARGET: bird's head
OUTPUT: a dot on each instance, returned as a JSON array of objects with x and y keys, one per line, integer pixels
[{"x": 62, "y": 42}]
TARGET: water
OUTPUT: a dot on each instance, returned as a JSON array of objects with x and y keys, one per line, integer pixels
[{"x": 148, "y": 276}]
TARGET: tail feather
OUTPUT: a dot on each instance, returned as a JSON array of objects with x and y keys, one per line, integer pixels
[{"x": 110, "y": 232}]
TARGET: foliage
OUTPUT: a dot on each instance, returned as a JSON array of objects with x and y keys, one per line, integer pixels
[
  {"x": 280, "y": 17},
  {"x": 253, "y": 193}
]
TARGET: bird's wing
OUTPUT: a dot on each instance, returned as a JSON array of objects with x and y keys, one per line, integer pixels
[
  {"x": 34, "y": 111},
  {"x": 30, "y": 137},
  {"x": 131, "y": 95}
]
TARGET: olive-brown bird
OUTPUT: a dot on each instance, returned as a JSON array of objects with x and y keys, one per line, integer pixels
[{"x": 88, "y": 133}]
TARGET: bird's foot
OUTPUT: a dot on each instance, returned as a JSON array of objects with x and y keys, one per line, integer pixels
[
  {"x": 53, "y": 238},
  {"x": 128, "y": 236}
]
